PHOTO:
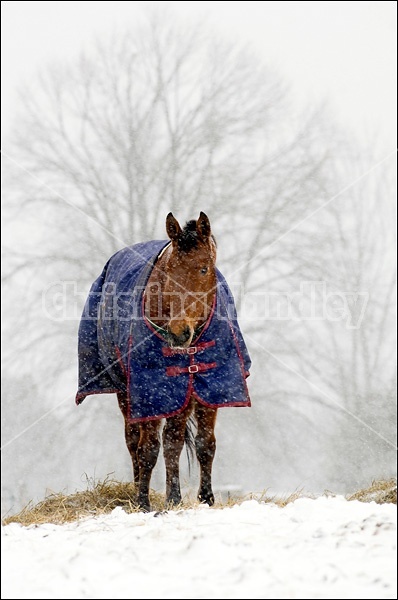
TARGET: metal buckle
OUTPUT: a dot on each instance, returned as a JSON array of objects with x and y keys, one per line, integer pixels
[
  {"x": 193, "y": 369},
  {"x": 192, "y": 350}
]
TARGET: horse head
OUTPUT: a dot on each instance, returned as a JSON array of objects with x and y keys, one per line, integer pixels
[{"x": 190, "y": 280}]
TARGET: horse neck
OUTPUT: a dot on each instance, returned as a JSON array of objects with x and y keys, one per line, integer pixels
[{"x": 154, "y": 298}]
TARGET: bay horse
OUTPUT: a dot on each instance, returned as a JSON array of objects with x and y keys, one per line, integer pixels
[{"x": 160, "y": 329}]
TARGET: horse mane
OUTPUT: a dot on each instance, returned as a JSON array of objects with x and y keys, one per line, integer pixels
[{"x": 189, "y": 237}]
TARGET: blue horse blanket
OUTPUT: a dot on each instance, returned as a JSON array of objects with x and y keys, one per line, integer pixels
[{"x": 119, "y": 350}]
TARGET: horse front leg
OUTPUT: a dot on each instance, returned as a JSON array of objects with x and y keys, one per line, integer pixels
[
  {"x": 131, "y": 434},
  {"x": 205, "y": 443},
  {"x": 147, "y": 455},
  {"x": 173, "y": 442}
]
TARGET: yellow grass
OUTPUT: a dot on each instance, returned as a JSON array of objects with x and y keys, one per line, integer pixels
[
  {"x": 100, "y": 498},
  {"x": 381, "y": 492},
  {"x": 103, "y": 496}
]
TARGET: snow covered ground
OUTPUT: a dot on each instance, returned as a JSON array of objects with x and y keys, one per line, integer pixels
[{"x": 323, "y": 548}]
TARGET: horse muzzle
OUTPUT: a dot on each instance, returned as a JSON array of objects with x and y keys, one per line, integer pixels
[{"x": 180, "y": 339}]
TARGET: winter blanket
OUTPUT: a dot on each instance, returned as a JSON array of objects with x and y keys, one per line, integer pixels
[{"x": 120, "y": 351}]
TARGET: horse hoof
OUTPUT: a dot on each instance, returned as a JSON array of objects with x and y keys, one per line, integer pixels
[
  {"x": 173, "y": 499},
  {"x": 144, "y": 505},
  {"x": 172, "y": 503},
  {"x": 206, "y": 499}
]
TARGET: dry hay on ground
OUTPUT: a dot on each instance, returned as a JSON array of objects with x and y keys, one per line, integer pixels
[
  {"x": 381, "y": 492},
  {"x": 103, "y": 496},
  {"x": 100, "y": 498}
]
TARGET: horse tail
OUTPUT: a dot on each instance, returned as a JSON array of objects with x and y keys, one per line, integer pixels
[{"x": 190, "y": 431}]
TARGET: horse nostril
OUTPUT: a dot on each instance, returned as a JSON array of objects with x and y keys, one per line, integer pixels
[
  {"x": 179, "y": 340},
  {"x": 183, "y": 337},
  {"x": 186, "y": 334}
]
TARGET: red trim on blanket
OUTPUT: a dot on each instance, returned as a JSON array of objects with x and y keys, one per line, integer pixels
[
  {"x": 208, "y": 320},
  {"x": 242, "y": 364},
  {"x": 217, "y": 406},
  {"x": 120, "y": 361},
  {"x": 80, "y": 397},
  {"x": 128, "y": 396},
  {"x": 147, "y": 323}
]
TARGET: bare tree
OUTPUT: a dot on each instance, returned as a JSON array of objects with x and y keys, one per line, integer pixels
[
  {"x": 332, "y": 364},
  {"x": 153, "y": 121}
]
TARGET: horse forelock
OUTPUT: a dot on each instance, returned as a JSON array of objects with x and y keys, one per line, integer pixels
[{"x": 190, "y": 238}]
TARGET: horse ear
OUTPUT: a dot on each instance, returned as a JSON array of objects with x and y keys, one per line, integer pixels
[
  {"x": 173, "y": 227},
  {"x": 203, "y": 226}
]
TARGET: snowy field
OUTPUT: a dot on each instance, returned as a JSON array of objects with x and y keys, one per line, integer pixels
[{"x": 323, "y": 548}]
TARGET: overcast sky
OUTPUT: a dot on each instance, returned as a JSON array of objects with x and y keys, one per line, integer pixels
[{"x": 342, "y": 52}]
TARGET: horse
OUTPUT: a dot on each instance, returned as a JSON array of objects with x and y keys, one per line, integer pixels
[{"x": 160, "y": 330}]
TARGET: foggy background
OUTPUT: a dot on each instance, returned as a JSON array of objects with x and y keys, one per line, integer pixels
[{"x": 275, "y": 119}]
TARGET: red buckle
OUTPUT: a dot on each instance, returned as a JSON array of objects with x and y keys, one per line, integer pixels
[
  {"x": 193, "y": 369},
  {"x": 192, "y": 350}
]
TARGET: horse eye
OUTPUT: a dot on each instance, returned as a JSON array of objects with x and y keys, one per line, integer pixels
[{"x": 204, "y": 270}]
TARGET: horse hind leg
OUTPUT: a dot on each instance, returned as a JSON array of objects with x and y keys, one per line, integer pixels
[
  {"x": 132, "y": 436},
  {"x": 173, "y": 442},
  {"x": 147, "y": 454},
  {"x": 205, "y": 443}
]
